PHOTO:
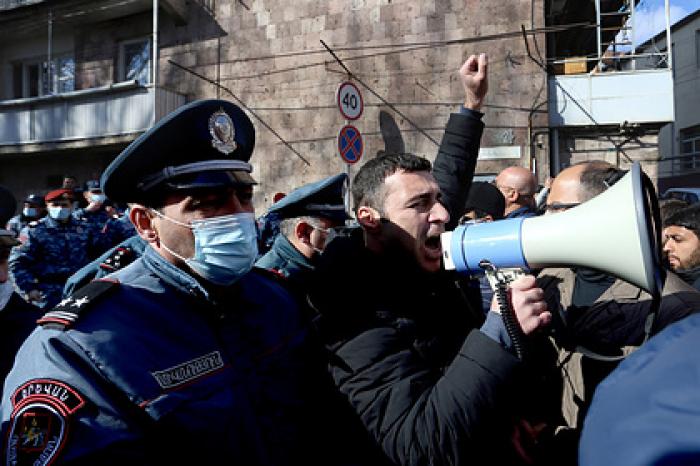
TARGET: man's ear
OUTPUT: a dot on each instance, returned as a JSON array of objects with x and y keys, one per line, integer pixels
[
  {"x": 302, "y": 232},
  {"x": 143, "y": 221},
  {"x": 369, "y": 218}
]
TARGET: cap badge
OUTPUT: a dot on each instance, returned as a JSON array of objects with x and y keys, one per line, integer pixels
[{"x": 222, "y": 131}]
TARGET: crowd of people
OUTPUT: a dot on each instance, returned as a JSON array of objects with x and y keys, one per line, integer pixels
[{"x": 174, "y": 326}]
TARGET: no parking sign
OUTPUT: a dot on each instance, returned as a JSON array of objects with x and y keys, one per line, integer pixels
[{"x": 350, "y": 145}]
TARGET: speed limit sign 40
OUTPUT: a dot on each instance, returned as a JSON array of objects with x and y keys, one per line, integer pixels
[{"x": 350, "y": 101}]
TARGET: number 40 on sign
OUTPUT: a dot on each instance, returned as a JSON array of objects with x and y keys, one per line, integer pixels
[{"x": 350, "y": 101}]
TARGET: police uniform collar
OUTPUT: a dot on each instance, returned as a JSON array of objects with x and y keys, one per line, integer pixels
[{"x": 171, "y": 274}]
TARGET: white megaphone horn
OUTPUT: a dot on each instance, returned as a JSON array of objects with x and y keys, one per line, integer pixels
[{"x": 616, "y": 232}]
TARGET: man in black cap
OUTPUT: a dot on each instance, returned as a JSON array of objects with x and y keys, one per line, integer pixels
[
  {"x": 187, "y": 355},
  {"x": 308, "y": 216},
  {"x": 485, "y": 203},
  {"x": 681, "y": 237},
  {"x": 34, "y": 209}
]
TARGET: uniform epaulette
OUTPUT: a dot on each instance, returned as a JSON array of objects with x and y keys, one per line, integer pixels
[
  {"x": 69, "y": 310},
  {"x": 274, "y": 274},
  {"x": 120, "y": 258}
]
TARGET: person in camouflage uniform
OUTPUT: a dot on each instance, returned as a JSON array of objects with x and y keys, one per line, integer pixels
[
  {"x": 95, "y": 216},
  {"x": 33, "y": 210},
  {"x": 51, "y": 251}
]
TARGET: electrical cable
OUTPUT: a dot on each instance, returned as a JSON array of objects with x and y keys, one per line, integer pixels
[{"x": 242, "y": 104}]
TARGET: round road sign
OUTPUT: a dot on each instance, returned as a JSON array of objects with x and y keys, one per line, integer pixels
[
  {"x": 350, "y": 145},
  {"x": 350, "y": 101}
]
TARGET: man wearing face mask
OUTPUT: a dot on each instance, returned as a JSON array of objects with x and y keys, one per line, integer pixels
[
  {"x": 94, "y": 216},
  {"x": 34, "y": 209},
  {"x": 188, "y": 355},
  {"x": 51, "y": 251},
  {"x": 309, "y": 215}
]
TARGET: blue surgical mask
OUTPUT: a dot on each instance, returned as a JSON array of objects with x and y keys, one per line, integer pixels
[
  {"x": 30, "y": 212},
  {"x": 60, "y": 213},
  {"x": 97, "y": 197},
  {"x": 225, "y": 247}
]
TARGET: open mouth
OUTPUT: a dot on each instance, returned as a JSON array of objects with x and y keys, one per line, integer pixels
[{"x": 432, "y": 244}]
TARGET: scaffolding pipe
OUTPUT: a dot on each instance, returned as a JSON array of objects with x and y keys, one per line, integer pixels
[
  {"x": 49, "y": 74},
  {"x": 598, "y": 29},
  {"x": 154, "y": 61},
  {"x": 669, "y": 44}
]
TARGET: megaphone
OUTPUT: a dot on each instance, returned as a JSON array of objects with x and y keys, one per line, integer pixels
[{"x": 616, "y": 232}]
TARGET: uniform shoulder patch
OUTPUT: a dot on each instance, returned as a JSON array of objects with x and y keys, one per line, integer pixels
[
  {"x": 69, "y": 310},
  {"x": 120, "y": 258},
  {"x": 39, "y": 425}
]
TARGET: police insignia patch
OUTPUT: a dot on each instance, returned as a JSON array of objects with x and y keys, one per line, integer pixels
[
  {"x": 222, "y": 131},
  {"x": 39, "y": 422}
]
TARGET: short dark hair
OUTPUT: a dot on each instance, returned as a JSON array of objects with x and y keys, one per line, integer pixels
[
  {"x": 688, "y": 218},
  {"x": 368, "y": 185},
  {"x": 597, "y": 177}
]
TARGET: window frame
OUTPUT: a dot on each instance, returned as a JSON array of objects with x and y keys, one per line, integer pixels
[{"x": 122, "y": 65}]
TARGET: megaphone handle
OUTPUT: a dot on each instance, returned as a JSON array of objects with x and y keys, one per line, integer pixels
[{"x": 499, "y": 284}]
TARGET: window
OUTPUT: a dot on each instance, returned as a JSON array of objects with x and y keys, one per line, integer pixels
[
  {"x": 690, "y": 148},
  {"x": 31, "y": 78},
  {"x": 135, "y": 60}
]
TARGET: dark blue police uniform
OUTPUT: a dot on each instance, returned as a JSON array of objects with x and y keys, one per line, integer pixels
[{"x": 148, "y": 366}]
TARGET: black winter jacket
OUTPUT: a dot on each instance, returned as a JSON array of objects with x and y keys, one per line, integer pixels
[{"x": 406, "y": 352}]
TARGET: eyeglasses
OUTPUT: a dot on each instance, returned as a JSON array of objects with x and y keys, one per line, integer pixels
[
  {"x": 471, "y": 221},
  {"x": 556, "y": 207}
]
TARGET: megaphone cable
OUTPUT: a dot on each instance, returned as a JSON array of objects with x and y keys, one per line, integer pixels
[{"x": 517, "y": 337}]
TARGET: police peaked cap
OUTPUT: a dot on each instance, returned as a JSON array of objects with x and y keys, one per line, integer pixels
[
  {"x": 324, "y": 198},
  {"x": 35, "y": 199},
  {"x": 204, "y": 144}
]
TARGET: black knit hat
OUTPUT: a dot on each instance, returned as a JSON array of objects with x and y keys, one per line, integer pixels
[
  {"x": 688, "y": 218},
  {"x": 486, "y": 199}
]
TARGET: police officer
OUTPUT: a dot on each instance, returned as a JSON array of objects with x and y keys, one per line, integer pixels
[
  {"x": 34, "y": 209},
  {"x": 187, "y": 355},
  {"x": 52, "y": 250},
  {"x": 94, "y": 215},
  {"x": 308, "y": 217}
]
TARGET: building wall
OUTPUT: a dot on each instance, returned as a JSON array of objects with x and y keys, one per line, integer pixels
[
  {"x": 270, "y": 56},
  {"x": 686, "y": 79}
]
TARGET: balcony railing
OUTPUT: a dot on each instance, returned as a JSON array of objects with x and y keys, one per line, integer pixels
[
  {"x": 117, "y": 110},
  {"x": 11, "y": 4}
]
